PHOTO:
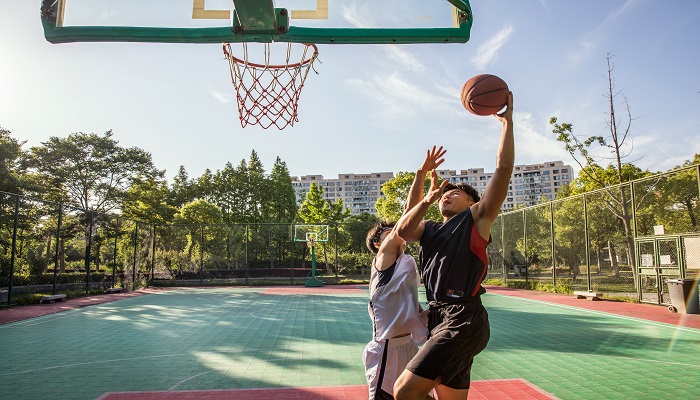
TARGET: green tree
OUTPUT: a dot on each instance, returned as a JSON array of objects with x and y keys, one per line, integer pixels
[
  {"x": 200, "y": 219},
  {"x": 11, "y": 166},
  {"x": 90, "y": 171},
  {"x": 147, "y": 201},
  {"x": 396, "y": 192},
  {"x": 183, "y": 190},
  {"x": 282, "y": 204}
]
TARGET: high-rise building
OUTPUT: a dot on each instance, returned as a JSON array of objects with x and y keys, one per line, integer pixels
[
  {"x": 529, "y": 184},
  {"x": 359, "y": 192}
]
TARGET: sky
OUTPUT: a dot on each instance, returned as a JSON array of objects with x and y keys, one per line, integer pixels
[{"x": 375, "y": 108}]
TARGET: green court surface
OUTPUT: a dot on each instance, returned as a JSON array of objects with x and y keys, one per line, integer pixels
[{"x": 241, "y": 338}]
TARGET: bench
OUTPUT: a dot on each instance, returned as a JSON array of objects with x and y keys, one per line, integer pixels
[
  {"x": 52, "y": 298},
  {"x": 114, "y": 290},
  {"x": 589, "y": 294}
]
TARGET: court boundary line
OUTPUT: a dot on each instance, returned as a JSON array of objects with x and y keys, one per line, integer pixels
[{"x": 637, "y": 319}]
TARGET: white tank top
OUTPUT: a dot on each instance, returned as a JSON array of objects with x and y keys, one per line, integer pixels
[{"x": 393, "y": 304}]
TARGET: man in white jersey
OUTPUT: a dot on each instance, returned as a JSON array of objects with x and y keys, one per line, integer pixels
[{"x": 397, "y": 325}]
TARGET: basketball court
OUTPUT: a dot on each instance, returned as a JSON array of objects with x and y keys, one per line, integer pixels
[{"x": 306, "y": 343}]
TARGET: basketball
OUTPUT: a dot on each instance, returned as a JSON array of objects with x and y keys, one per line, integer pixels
[{"x": 485, "y": 94}]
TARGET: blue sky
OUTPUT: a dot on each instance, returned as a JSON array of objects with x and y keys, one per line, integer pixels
[{"x": 374, "y": 108}]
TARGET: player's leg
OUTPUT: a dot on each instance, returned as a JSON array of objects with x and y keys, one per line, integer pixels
[
  {"x": 447, "y": 393},
  {"x": 410, "y": 386}
]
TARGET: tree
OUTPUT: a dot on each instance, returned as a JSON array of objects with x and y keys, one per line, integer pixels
[
  {"x": 282, "y": 204},
  {"x": 89, "y": 171},
  {"x": 183, "y": 190},
  {"x": 616, "y": 144},
  {"x": 147, "y": 201},
  {"x": 11, "y": 168},
  {"x": 396, "y": 192},
  {"x": 195, "y": 216}
]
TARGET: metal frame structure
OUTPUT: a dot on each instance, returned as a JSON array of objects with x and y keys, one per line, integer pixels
[{"x": 254, "y": 21}]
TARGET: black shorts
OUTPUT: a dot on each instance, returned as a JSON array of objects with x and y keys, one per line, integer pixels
[{"x": 461, "y": 331}]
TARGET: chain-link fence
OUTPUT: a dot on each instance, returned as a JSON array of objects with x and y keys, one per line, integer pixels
[
  {"x": 46, "y": 248},
  {"x": 623, "y": 241}
]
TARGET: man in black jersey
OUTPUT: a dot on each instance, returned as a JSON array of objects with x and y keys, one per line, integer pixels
[{"x": 453, "y": 264}]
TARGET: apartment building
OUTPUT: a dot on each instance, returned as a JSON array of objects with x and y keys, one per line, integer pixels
[
  {"x": 359, "y": 192},
  {"x": 529, "y": 184}
]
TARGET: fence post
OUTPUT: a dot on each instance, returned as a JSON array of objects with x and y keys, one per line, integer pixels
[
  {"x": 585, "y": 234},
  {"x": 58, "y": 240},
  {"x": 201, "y": 255},
  {"x": 336, "y": 254},
  {"x": 503, "y": 248},
  {"x": 291, "y": 236},
  {"x": 525, "y": 244},
  {"x": 114, "y": 256},
  {"x": 87, "y": 254},
  {"x": 133, "y": 267},
  {"x": 13, "y": 250},
  {"x": 153, "y": 253},
  {"x": 551, "y": 229},
  {"x": 246, "y": 254}
]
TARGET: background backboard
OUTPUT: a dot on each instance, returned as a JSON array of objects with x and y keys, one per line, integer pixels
[{"x": 219, "y": 21}]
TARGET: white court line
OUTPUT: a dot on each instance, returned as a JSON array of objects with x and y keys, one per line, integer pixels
[
  {"x": 91, "y": 363},
  {"x": 187, "y": 379},
  {"x": 646, "y": 321}
]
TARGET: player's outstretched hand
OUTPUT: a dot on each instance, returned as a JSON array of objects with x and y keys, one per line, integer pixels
[{"x": 433, "y": 159}]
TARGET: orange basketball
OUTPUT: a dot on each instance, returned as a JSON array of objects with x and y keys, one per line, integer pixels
[{"x": 485, "y": 94}]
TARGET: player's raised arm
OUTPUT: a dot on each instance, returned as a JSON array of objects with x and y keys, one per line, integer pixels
[
  {"x": 410, "y": 225},
  {"x": 433, "y": 159},
  {"x": 488, "y": 208}
]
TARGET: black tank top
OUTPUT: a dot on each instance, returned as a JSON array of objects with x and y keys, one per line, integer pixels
[{"x": 453, "y": 259}]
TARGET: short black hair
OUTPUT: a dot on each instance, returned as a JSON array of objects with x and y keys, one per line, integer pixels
[
  {"x": 376, "y": 232},
  {"x": 466, "y": 188}
]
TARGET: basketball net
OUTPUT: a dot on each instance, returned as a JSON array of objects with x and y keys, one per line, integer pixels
[{"x": 268, "y": 94}]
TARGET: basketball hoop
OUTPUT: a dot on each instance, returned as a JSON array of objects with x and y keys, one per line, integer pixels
[
  {"x": 268, "y": 94},
  {"x": 311, "y": 239}
]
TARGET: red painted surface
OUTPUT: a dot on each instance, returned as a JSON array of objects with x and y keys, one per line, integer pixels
[
  {"x": 502, "y": 389},
  {"x": 643, "y": 311}
]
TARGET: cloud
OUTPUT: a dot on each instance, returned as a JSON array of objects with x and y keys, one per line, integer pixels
[
  {"x": 399, "y": 98},
  {"x": 403, "y": 57},
  {"x": 220, "y": 97},
  {"x": 487, "y": 53},
  {"x": 531, "y": 145}
]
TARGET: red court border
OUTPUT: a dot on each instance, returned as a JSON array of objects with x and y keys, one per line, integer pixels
[{"x": 499, "y": 389}]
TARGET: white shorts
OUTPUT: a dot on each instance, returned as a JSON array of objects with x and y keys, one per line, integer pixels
[{"x": 384, "y": 364}]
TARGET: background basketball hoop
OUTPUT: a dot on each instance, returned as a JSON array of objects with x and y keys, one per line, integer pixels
[{"x": 268, "y": 94}]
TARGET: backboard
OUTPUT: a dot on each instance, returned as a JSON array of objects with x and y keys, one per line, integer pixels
[
  {"x": 265, "y": 21},
  {"x": 311, "y": 233}
]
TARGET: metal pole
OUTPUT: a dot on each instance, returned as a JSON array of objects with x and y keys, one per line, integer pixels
[
  {"x": 58, "y": 239},
  {"x": 291, "y": 236},
  {"x": 114, "y": 256},
  {"x": 201, "y": 255},
  {"x": 336, "y": 254},
  {"x": 133, "y": 268},
  {"x": 14, "y": 249},
  {"x": 153, "y": 253},
  {"x": 87, "y": 255},
  {"x": 246, "y": 254},
  {"x": 503, "y": 248},
  {"x": 635, "y": 270},
  {"x": 551, "y": 227},
  {"x": 585, "y": 233},
  {"x": 525, "y": 243}
]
